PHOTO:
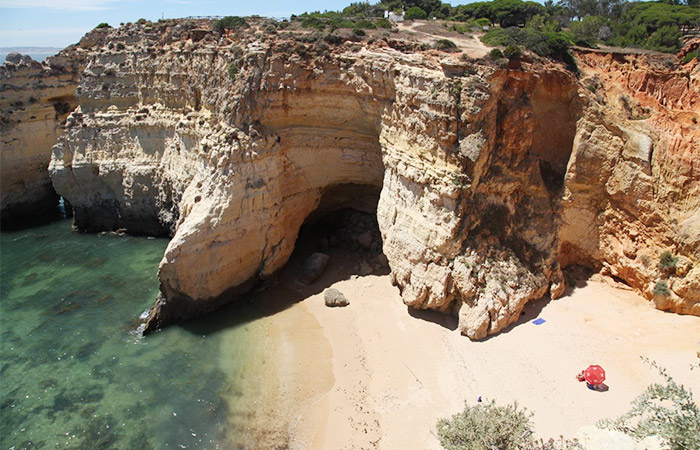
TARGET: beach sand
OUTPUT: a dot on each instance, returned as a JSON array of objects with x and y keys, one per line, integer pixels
[{"x": 376, "y": 374}]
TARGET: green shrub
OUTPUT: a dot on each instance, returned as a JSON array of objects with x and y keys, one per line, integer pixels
[
  {"x": 232, "y": 70},
  {"x": 661, "y": 288},
  {"x": 445, "y": 45},
  {"x": 512, "y": 52},
  {"x": 486, "y": 426},
  {"x": 495, "y": 54},
  {"x": 333, "y": 39},
  {"x": 230, "y": 23},
  {"x": 544, "y": 42},
  {"x": 383, "y": 23},
  {"x": 120, "y": 46},
  {"x": 667, "y": 262},
  {"x": 358, "y": 32},
  {"x": 313, "y": 22},
  {"x": 365, "y": 24},
  {"x": 482, "y": 22},
  {"x": 415, "y": 13},
  {"x": 665, "y": 39},
  {"x": 342, "y": 23},
  {"x": 690, "y": 56},
  {"x": 103, "y": 25},
  {"x": 585, "y": 32},
  {"x": 664, "y": 409}
]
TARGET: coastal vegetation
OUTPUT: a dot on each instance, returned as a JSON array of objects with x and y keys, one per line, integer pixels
[
  {"x": 488, "y": 426},
  {"x": 664, "y": 409},
  {"x": 546, "y": 29}
]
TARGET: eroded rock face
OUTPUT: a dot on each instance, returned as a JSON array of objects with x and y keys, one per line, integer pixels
[
  {"x": 229, "y": 144},
  {"x": 633, "y": 182},
  {"x": 35, "y": 99}
]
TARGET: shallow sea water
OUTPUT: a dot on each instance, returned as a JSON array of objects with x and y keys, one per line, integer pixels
[{"x": 73, "y": 372}]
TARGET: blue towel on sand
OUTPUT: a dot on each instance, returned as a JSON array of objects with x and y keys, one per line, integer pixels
[{"x": 538, "y": 321}]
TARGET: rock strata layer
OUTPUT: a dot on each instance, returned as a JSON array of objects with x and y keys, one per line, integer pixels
[
  {"x": 490, "y": 180},
  {"x": 35, "y": 99}
]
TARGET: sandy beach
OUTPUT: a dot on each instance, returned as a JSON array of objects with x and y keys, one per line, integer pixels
[{"x": 375, "y": 374}]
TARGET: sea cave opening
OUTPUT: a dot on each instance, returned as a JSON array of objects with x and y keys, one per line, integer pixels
[{"x": 344, "y": 227}]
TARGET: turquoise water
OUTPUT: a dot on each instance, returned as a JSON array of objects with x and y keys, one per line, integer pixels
[{"x": 74, "y": 374}]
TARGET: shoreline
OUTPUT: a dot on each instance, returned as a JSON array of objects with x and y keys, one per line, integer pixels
[{"x": 376, "y": 374}]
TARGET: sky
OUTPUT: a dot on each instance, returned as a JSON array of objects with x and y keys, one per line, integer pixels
[{"x": 59, "y": 23}]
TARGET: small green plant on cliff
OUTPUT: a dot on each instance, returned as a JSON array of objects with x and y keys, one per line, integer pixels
[
  {"x": 230, "y": 23},
  {"x": 667, "y": 262},
  {"x": 232, "y": 70},
  {"x": 665, "y": 409},
  {"x": 445, "y": 45},
  {"x": 120, "y": 46},
  {"x": 103, "y": 25},
  {"x": 512, "y": 52},
  {"x": 486, "y": 426},
  {"x": 495, "y": 54},
  {"x": 460, "y": 179},
  {"x": 661, "y": 288}
]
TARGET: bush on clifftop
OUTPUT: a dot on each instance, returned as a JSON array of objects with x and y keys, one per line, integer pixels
[
  {"x": 230, "y": 23},
  {"x": 415, "y": 13}
]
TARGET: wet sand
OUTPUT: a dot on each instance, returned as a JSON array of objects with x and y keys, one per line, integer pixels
[{"x": 375, "y": 374}]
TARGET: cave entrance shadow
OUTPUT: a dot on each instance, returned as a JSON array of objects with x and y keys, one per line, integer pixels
[
  {"x": 576, "y": 277},
  {"x": 348, "y": 258},
  {"x": 445, "y": 320}
]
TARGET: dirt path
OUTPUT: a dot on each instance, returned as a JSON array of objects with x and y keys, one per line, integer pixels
[{"x": 424, "y": 33}]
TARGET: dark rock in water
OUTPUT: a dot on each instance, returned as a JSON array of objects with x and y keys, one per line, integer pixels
[
  {"x": 334, "y": 297},
  {"x": 13, "y": 57},
  {"x": 314, "y": 267}
]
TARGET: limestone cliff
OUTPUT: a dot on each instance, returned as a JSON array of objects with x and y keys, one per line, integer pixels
[
  {"x": 487, "y": 186},
  {"x": 35, "y": 99}
]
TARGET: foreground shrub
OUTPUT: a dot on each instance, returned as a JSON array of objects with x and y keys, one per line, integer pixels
[
  {"x": 664, "y": 409},
  {"x": 103, "y": 25},
  {"x": 486, "y": 426}
]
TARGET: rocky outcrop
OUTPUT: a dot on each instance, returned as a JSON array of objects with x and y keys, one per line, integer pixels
[
  {"x": 486, "y": 176},
  {"x": 633, "y": 182},
  {"x": 35, "y": 99}
]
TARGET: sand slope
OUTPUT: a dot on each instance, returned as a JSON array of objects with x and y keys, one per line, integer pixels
[{"x": 376, "y": 375}]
